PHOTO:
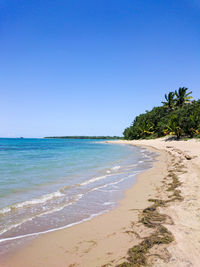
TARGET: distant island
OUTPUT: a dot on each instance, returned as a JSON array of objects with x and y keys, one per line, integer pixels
[{"x": 84, "y": 137}]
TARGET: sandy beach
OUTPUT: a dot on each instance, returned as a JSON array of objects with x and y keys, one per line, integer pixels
[{"x": 172, "y": 185}]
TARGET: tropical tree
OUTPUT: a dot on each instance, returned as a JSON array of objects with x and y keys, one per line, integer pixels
[
  {"x": 128, "y": 133},
  {"x": 146, "y": 128},
  {"x": 182, "y": 97},
  {"x": 174, "y": 126},
  {"x": 170, "y": 101},
  {"x": 177, "y": 119}
]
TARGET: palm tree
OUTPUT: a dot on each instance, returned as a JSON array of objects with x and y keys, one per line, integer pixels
[
  {"x": 146, "y": 128},
  {"x": 174, "y": 126},
  {"x": 169, "y": 100},
  {"x": 181, "y": 96}
]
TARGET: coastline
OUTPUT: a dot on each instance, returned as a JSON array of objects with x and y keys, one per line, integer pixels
[{"x": 106, "y": 238}]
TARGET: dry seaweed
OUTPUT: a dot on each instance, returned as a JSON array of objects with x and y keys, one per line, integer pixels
[
  {"x": 152, "y": 218},
  {"x": 137, "y": 255}
]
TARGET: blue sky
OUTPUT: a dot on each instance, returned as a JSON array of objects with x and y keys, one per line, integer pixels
[{"x": 73, "y": 67}]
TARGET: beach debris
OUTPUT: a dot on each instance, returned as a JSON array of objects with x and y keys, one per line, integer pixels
[
  {"x": 188, "y": 157},
  {"x": 139, "y": 254}
]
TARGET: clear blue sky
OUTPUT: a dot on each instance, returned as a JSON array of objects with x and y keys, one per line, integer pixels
[{"x": 88, "y": 67}]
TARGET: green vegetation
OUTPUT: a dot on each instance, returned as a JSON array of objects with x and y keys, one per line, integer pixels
[
  {"x": 179, "y": 116},
  {"x": 84, "y": 137}
]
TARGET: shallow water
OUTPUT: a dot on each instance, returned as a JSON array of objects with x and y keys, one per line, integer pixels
[{"x": 47, "y": 184}]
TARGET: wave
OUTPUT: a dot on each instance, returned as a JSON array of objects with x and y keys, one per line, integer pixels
[
  {"x": 135, "y": 173},
  {"x": 108, "y": 203},
  {"x": 50, "y": 196},
  {"x": 106, "y": 185},
  {"x": 116, "y": 168},
  {"x": 40, "y": 200},
  {"x": 78, "y": 197},
  {"x": 59, "y": 193},
  {"x": 52, "y": 230},
  {"x": 5, "y": 210},
  {"x": 95, "y": 179}
]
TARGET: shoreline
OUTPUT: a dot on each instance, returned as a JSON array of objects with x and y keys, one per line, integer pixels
[
  {"x": 106, "y": 238},
  {"x": 128, "y": 168}
]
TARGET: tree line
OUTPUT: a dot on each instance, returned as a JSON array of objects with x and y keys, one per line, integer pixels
[
  {"x": 83, "y": 137},
  {"x": 179, "y": 115}
]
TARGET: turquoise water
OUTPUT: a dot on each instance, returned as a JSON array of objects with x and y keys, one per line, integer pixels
[{"x": 47, "y": 184}]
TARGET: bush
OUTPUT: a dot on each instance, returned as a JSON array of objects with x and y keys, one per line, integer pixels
[{"x": 183, "y": 120}]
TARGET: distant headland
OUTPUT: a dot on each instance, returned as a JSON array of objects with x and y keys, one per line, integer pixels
[{"x": 84, "y": 137}]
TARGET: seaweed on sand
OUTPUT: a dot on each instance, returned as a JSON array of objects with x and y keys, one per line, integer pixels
[
  {"x": 137, "y": 255},
  {"x": 151, "y": 218}
]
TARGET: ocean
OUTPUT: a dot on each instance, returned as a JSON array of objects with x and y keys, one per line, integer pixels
[{"x": 50, "y": 184}]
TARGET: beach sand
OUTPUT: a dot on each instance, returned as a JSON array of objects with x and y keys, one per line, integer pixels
[{"x": 105, "y": 239}]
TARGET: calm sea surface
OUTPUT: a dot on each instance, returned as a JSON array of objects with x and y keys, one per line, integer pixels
[{"x": 47, "y": 184}]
